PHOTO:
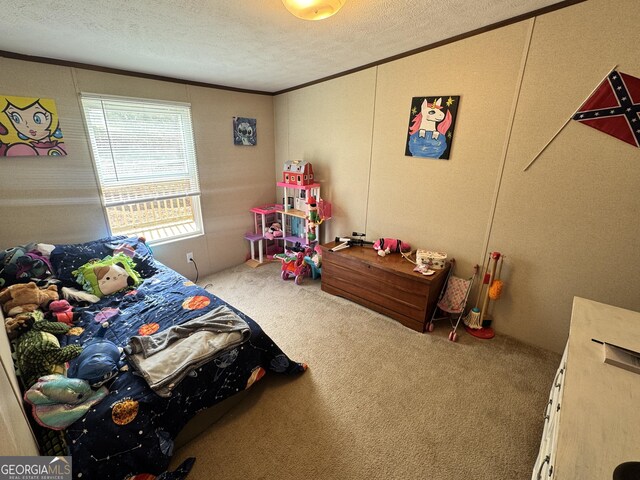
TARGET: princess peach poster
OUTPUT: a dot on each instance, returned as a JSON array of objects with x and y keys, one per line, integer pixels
[{"x": 29, "y": 127}]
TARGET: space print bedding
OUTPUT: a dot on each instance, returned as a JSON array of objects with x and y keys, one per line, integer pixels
[{"x": 180, "y": 349}]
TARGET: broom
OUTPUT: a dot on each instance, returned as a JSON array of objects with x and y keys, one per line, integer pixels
[{"x": 472, "y": 320}]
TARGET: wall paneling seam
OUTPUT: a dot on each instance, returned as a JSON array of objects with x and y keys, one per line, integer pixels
[
  {"x": 507, "y": 139},
  {"x": 373, "y": 125}
]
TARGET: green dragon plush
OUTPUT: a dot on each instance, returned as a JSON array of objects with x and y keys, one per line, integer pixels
[{"x": 38, "y": 352}]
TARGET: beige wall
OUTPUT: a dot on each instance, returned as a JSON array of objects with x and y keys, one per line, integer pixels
[
  {"x": 570, "y": 223},
  {"x": 330, "y": 125},
  {"x": 568, "y": 226},
  {"x": 57, "y": 200}
]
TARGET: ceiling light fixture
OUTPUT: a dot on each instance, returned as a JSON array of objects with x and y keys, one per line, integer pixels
[{"x": 313, "y": 9}]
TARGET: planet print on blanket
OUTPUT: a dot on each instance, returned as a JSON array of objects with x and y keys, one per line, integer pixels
[
  {"x": 196, "y": 303},
  {"x": 148, "y": 329},
  {"x": 105, "y": 314},
  {"x": 124, "y": 411},
  {"x": 256, "y": 375},
  {"x": 279, "y": 363}
]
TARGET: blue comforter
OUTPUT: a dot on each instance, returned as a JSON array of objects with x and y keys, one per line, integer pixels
[{"x": 131, "y": 431}]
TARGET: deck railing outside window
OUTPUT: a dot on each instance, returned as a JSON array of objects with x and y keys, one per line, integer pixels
[{"x": 152, "y": 219}]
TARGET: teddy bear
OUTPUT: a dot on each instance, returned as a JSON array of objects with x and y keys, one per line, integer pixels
[
  {"x": 38, "y": 351},
  {"x": 27, "y": 296},
  {"x": 275, "y": 230},
  {"x": 18, "y": 324}
]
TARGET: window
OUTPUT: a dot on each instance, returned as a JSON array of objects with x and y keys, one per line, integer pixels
[{"x": 146, "y": 166}]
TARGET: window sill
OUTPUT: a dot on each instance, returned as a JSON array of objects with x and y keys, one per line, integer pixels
[
  {"x": 166, "y": 234},
  {"x": 166, "y": 241}
]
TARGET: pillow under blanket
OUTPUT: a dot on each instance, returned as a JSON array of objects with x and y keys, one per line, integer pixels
[{"x": 66, "y": 258}]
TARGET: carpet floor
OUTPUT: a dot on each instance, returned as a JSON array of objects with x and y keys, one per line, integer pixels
[{"x": 379, "y": 400}]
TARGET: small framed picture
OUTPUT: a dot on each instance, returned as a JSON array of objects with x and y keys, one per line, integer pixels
[{"x": 244, "y": 131}]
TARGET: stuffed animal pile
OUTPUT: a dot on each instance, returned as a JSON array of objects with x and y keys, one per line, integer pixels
[
  {"x": 26, "y": 297},
  {"x": 38, "y": 351},
  {"x": 35, "y": 316},
  {"x": 62, "y": 311},
  {"x": 19, "y": 264}
]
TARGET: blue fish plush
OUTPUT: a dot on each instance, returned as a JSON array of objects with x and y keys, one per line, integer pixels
[
  {"x": 59, "y": 401},
  {"x": 99, "y": 361}
]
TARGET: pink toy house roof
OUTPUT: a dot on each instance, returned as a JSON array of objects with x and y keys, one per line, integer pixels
[{"x": 297, "y": 166}]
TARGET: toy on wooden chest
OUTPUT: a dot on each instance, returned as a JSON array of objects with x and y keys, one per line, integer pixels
[
  {"x": 297, "y": 172},
  {"x": 434, "y": 260}
]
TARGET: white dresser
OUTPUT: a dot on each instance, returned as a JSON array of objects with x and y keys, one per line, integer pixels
[{"x": 592, "y": 420}]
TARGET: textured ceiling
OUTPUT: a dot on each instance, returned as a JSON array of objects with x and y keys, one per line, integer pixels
[{"x": 250, "y": 44}]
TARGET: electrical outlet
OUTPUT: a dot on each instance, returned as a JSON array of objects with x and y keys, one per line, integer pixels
[{"x": 189, "y": 257}]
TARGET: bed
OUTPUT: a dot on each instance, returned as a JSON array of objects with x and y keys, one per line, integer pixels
[{"x": 131, "y": 432}]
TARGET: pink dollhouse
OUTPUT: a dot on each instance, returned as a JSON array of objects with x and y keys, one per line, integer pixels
[
  {"x": 297, "y": 172},
  {"x": 294, "y": 222}
]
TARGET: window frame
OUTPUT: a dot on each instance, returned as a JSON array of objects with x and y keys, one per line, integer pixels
[{"x": 194, "y": 198}]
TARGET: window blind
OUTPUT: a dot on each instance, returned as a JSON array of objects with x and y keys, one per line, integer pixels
[{"x": 143, "y": 150}]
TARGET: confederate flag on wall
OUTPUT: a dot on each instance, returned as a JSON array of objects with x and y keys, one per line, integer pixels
[{"x": 614, "y": 108}]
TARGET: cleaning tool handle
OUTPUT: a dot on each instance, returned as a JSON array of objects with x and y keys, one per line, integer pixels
[
  {"x": 500, "y": 268},
  {"x": 495, "y": 290},
  {"x": 487, "y": 278},
  {"x": 482, "y": 283},
  {"x": 485, "y": 304}
]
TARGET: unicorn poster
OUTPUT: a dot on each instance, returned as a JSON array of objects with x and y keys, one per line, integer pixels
[
  {"x": 29, "y": 127},
  {"x": 431, "y": 124}
]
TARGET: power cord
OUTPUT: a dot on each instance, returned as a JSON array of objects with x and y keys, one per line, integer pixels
[{"x": 196, "y": 267}]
